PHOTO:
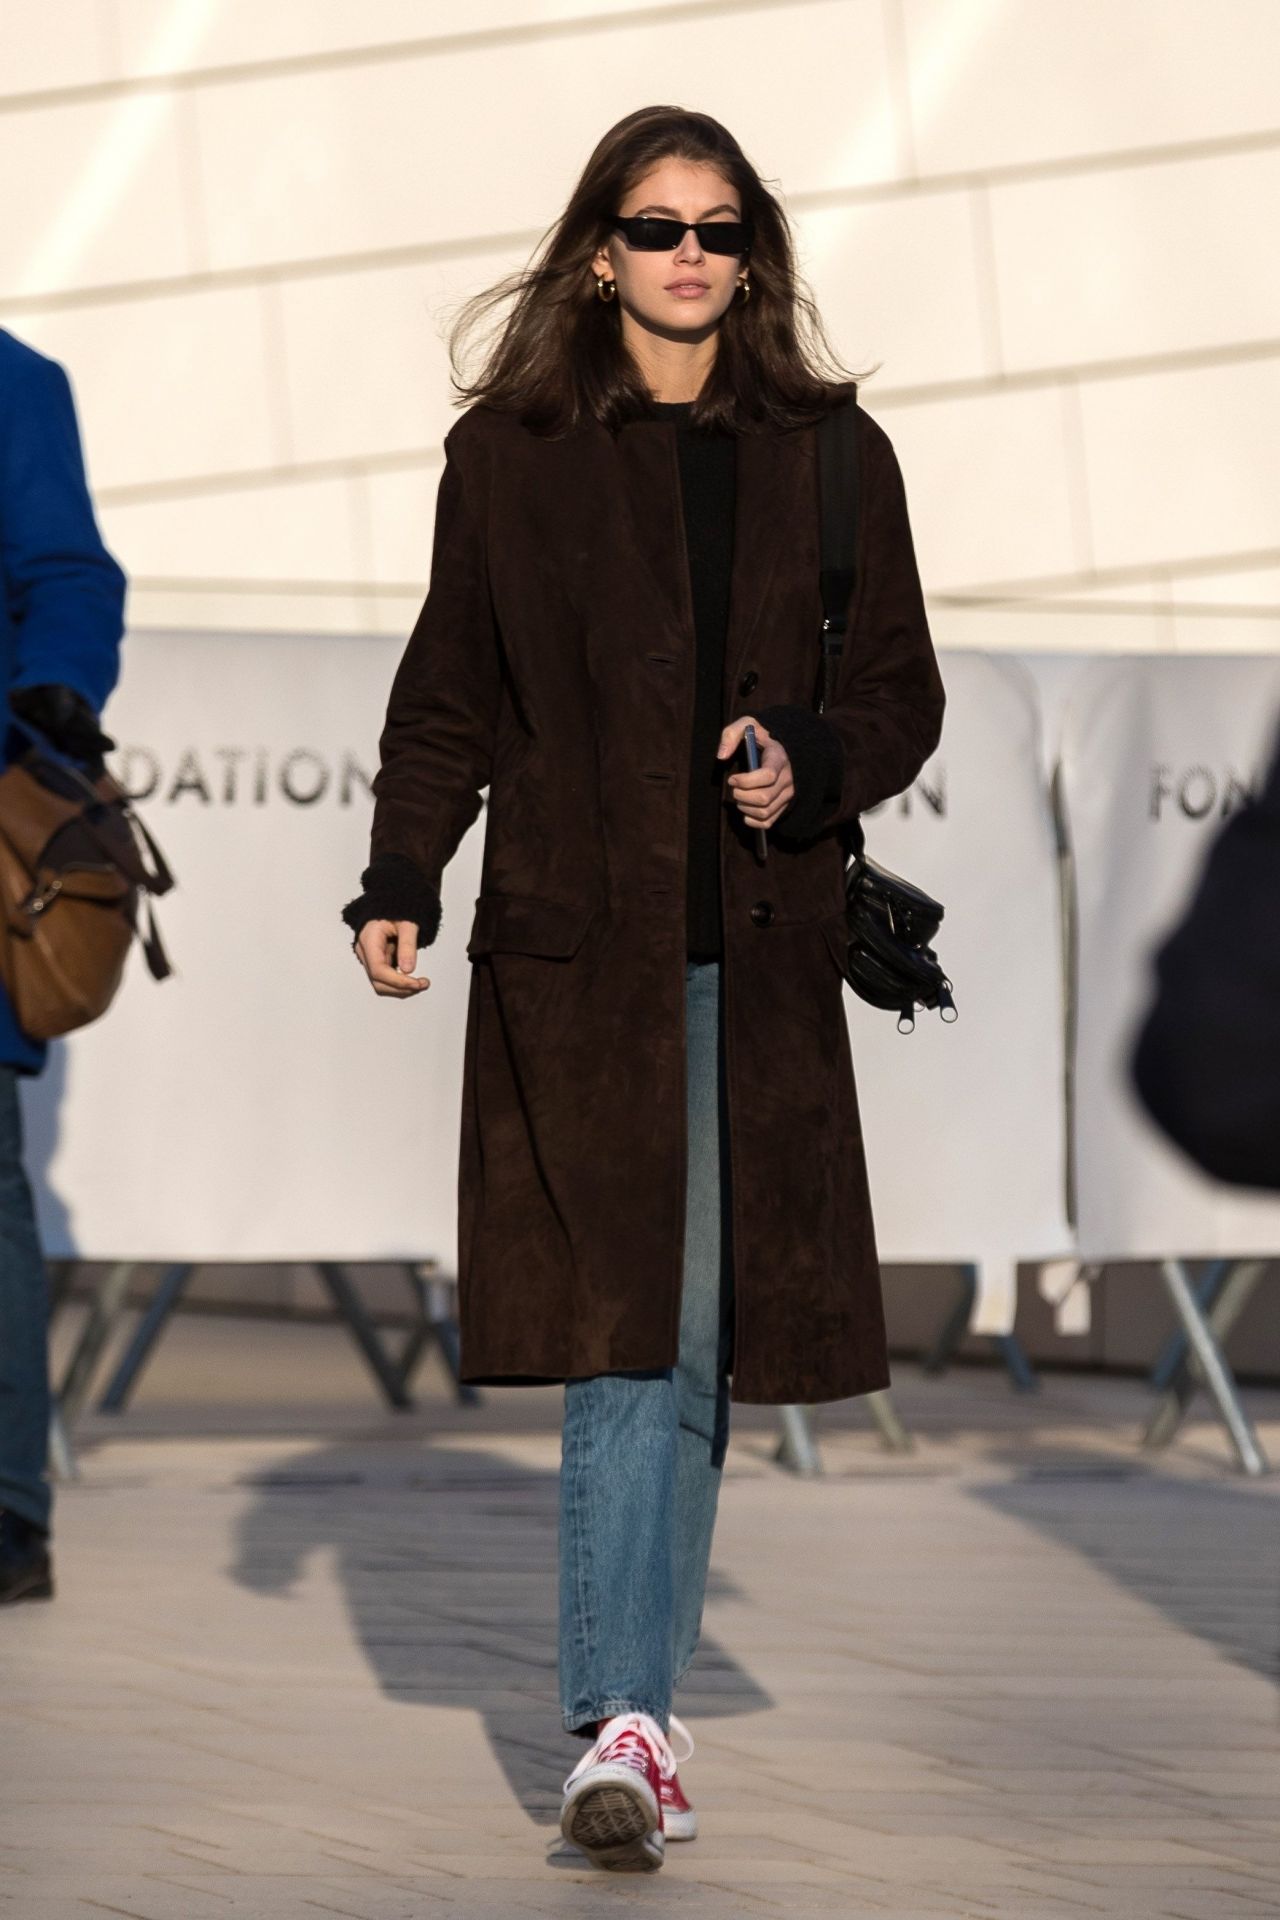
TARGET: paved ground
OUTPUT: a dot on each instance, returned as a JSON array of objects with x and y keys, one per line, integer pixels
[{"x": 302, "y": 1662}]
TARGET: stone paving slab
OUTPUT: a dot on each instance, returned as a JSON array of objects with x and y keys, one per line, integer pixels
[{"x": 1025, "y": 1671}]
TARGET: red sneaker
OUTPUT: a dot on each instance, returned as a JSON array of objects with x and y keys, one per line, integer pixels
[
  {"x": 679, "y": 1821},
  {"x": 613, "y": 1798}
]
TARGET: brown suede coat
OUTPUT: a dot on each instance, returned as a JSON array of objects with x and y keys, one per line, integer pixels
[{"x": 553, "y": 663}]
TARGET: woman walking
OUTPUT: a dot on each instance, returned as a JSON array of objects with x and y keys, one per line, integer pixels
[{"x": 662, "y": 1195}]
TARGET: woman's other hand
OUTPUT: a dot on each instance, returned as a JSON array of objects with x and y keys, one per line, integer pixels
[
  {"x": 763, "y": 796},
  {"x": 387, "y": 949}
]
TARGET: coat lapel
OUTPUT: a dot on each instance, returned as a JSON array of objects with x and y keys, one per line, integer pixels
[{"x": 773, "y": 497}]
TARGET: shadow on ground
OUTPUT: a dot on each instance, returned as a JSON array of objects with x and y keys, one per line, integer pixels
[
  {"x": 1206, "y": 1555},
  {"x": 448, "y": 1568}
]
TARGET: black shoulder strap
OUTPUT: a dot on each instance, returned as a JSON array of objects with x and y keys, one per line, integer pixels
[{"x": 838, "y": 502}]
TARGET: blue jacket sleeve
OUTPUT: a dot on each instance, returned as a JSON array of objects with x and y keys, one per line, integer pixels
[{"x": 65, "y": 592}]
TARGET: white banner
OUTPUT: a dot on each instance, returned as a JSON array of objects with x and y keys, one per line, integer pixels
[
  {"x": 964, "y": 1123},
  {"x": 1157, "y": 750},
  {"x": 262, "y": 1104}
]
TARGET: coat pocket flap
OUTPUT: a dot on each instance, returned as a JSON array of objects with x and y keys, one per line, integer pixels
[{"x": 513, "y": 923}]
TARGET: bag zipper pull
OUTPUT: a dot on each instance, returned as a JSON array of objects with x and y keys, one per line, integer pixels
[{"x": 38, "y": 901}]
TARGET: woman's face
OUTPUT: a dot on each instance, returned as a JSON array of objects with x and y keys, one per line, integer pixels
[{"x": 649, "y": 283}]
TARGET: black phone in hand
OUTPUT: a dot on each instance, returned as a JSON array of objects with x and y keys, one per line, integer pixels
[{"x": 752, "y": 749}]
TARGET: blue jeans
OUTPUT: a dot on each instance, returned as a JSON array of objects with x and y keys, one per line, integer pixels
[
  {"x": 24, "y": 1327},
  {"x": 643, "y": 1453}
]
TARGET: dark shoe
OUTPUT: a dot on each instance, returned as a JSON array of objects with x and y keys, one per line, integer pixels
[{"x": 26, "y": 1571}]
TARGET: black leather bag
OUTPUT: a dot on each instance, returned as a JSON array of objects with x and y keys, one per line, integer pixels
[{"x": 890, "y": 962}]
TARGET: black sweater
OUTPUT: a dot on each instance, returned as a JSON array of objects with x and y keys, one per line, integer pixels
[{"x": 708, "y": 482}]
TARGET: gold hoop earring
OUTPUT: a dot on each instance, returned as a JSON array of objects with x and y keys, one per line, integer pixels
[
  {"x": 744, "y": 288},
  {"x": 601, "y": 284}
]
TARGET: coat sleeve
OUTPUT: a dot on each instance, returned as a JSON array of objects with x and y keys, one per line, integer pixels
[
  {"x": 436, "y": 746},
  {"x": 1206, "y": 1062},
  {"x": 886, "y": 718},
  {"x": 64, "y": 591}
]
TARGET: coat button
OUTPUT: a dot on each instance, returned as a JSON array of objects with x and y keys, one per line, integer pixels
[
  {"x": 748, "y": 683},
  {"x": 762, "y": 913}
]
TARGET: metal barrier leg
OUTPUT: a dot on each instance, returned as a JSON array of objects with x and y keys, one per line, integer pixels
[
  {"x": 436, "y": 1326},
  {"x": 797, "y": 1449},
  {"x": 1217, "y": 1374},
  {"x": 107, "y": 1307},
  {"x": 419, "y": 1337},
  {"x": 1230, "y": 1284},
  {"x": 1172, "y": 1360},
  {"x": 62, "y": 1275},
  {"x": 885, "y": 1414},
  {"x": 953, "y": 1327},
  {"x": 1021, "y": 1371},
  {"x": 1233, "y": 1288},
  {"x": 61, "y": 1457},
  {"x": 352, "y": 1308},
  {"x": 165, "y": 1298}
]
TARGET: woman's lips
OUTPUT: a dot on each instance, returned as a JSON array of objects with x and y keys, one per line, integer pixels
[{"x": 687, "y": 291}]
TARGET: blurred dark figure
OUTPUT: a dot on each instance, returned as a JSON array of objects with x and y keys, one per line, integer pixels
[
  {"x": 1207, "y": 1060},
  {"x": 61, "y": 620}
]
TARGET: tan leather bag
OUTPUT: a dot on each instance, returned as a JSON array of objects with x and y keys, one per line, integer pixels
[{"x": 72, "y": 874}]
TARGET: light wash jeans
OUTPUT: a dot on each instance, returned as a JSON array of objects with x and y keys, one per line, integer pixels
[
  {"x": 642, "y": 1453},
  {"x": 24, "y": 1327}
]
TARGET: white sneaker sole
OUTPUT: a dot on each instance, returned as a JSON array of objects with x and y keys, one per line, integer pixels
[
  {"x": 615, "y": 1821},
  {"x": 680, "y": 1826}
]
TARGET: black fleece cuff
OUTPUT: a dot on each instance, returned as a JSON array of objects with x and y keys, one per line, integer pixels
[
  {"x": 394, "y": 889},
  {"x": 817, "y": 766},
  {"x": 64, "y": 717}
]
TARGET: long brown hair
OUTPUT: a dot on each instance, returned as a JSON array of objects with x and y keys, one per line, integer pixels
[{"x": 559, "y": 359}]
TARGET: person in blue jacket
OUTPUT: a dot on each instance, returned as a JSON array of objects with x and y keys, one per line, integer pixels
[{"x": 61, "y": 621}]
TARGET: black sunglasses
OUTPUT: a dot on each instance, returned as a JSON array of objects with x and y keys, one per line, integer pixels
[{"x": 648, "y": 233}]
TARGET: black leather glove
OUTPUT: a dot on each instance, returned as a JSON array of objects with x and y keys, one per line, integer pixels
[{"x": 66, "y": 719}]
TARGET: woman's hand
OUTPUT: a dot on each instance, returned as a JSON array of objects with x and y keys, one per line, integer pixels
[
  {"x": 387, "y": 949},
  {"x": 765, "y": 795}
]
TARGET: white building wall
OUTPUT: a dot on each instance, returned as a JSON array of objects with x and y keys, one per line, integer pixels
[{"x": 243, "y": 225}]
